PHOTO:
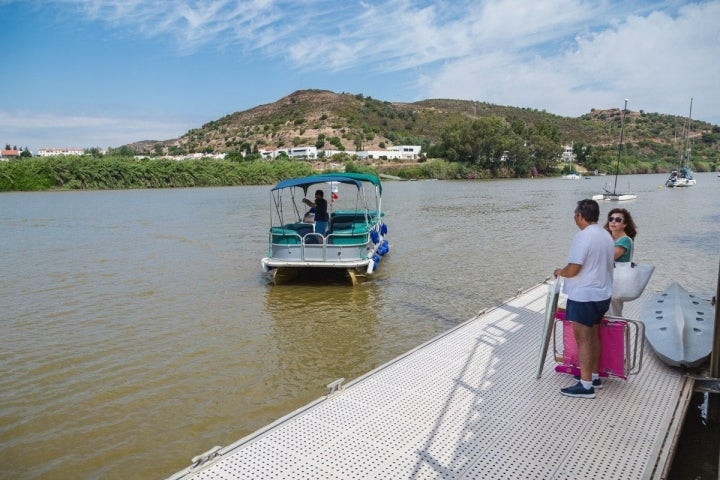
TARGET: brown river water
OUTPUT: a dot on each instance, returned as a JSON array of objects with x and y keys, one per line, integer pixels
[{"x": 137, "y": 329}]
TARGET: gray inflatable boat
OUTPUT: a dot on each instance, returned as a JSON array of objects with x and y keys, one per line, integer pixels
[{"x": 679, "y": 326}]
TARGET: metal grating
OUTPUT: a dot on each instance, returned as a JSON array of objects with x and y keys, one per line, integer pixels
[{"x": 467, "y": 406}]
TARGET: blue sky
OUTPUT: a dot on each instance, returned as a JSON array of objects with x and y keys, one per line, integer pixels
[{"x": 103, "y": 73}]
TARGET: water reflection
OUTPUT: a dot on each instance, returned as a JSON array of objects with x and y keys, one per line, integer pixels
[{"x": 323, "y": 332}]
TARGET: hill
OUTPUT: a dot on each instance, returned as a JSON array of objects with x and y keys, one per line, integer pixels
[{"x": 354, "y": 122}]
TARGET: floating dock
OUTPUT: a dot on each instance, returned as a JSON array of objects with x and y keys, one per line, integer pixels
[{"x": 467, "y": 405}]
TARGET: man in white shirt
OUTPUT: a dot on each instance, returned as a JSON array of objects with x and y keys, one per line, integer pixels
[{"x": 588, "y": 285}]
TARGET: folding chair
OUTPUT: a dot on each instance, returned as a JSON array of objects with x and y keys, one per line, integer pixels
[{"x": 621, "y": 340}]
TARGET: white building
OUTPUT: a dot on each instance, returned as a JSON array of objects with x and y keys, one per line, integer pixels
[
  {"x": 568, "y": 156},
  {"x": 295, "y": 152},
  {"x": 407, "y": 152},
  {"x": 389, "y": 154},
  {"x": 6, "y": 155},
  {"x": 54, "y": 152},
  {"x": 400, "y": 152},
  {"x": 303, "y": 152}
]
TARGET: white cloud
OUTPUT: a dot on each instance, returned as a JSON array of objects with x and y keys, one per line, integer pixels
[
  {"x": 658, "y": 61},
  {"x": 579, "y": 53},
  {"x": 194, "y": 24}
]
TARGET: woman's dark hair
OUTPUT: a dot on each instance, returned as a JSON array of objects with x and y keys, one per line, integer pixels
[
  {"x": 588, "y": 209},
  {"x": 630, "y": 228}
]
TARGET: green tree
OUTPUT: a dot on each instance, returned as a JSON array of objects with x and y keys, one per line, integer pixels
[
  {"x": 482, "y": 141},
  {"x": 124, "y": 151},
  {"x": 582, "y": 152},
  {"x": 93, "y": 152}
]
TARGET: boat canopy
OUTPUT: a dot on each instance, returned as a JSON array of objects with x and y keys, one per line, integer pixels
[{"x": 349, "y": 178}]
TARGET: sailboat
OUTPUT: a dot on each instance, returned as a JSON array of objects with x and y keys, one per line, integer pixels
[
  {"x": 615, "y": 195},
  {"x": 683, "y": 177},
  {"x": 568, "y": 157}
]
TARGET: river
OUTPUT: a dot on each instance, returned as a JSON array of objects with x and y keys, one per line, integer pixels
[{"x": 138, "y": 331}]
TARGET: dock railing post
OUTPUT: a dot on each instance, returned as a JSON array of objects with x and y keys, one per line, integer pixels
[
  {"x": 713, "y": 399},
  {"x": 715, "y": 355}
]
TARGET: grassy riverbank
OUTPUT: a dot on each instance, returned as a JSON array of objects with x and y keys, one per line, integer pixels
[
  {"x": 87, "y": 173},
  {"x": 107, "y": 173},
  {"x": 119, "y": 172}
]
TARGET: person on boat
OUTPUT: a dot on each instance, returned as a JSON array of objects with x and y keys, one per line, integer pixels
[
  {"x": 622, "y": 228},
  {"x": 321, "y": 211},
  {"x": 588, "y": 285}
]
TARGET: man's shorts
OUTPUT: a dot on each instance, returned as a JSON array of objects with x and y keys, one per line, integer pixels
[{"x": 586, "y": 313}]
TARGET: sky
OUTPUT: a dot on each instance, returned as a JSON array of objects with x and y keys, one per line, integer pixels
[{"x": 105, "y": 73}]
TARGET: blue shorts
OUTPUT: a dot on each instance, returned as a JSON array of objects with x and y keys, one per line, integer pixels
[
  {"x": 586, "y": 313},
  {"x": 321, "y": 227}
]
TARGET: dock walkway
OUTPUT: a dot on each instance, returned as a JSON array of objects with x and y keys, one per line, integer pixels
[{"x": 467, "y": 405}]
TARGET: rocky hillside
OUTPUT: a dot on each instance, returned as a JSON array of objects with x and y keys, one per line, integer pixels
[{"x": 354, "y": 122}]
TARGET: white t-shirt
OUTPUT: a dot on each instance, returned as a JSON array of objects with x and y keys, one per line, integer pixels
[{"x": 592, "y": 248}]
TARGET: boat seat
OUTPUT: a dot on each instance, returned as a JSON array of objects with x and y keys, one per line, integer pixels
[
  {"x": 342, "y": 226},
  {"x": 291, "y": 233},
  {"x": 349, "y": 233}
]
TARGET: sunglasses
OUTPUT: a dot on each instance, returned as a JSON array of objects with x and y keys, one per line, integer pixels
[{"x": 615, "y": 220}]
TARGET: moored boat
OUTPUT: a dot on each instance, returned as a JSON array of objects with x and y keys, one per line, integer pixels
[
  {"x": 683, "y": 177},
  {"x": 355, "y": 239},
  {"x": 614, "y": 195},
  {"x": 568, "y": 156},
  {"x": 678, "y": 326}
]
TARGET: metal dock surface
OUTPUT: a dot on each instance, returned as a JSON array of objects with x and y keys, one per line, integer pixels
[{"x": 467, "y": 405}]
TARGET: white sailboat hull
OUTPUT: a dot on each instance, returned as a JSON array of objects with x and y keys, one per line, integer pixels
[
  {"x": 682, "y": 182},
  {"x": 618, "y": 197}
]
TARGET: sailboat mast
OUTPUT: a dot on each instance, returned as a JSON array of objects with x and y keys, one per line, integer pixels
[
  {"x": 620, "y": 147},
  {"x": 686, "y": 156}
]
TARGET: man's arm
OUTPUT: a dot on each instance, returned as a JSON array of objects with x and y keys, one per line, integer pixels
[{"x": 568, "y": 271}]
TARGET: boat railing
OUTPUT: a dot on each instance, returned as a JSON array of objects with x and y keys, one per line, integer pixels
[
  {"x": 349, "y": 234},
  {"x": 298, "y": 242}
]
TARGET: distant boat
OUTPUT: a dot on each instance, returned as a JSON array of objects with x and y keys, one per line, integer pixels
[
  {"x": 679, "y": 326},
  {"x": 615, "y": 195},
  {"x": 568, "y": 157},
  {"x": 683, "y": 177},
  {"x": 571, "y": 176}
]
